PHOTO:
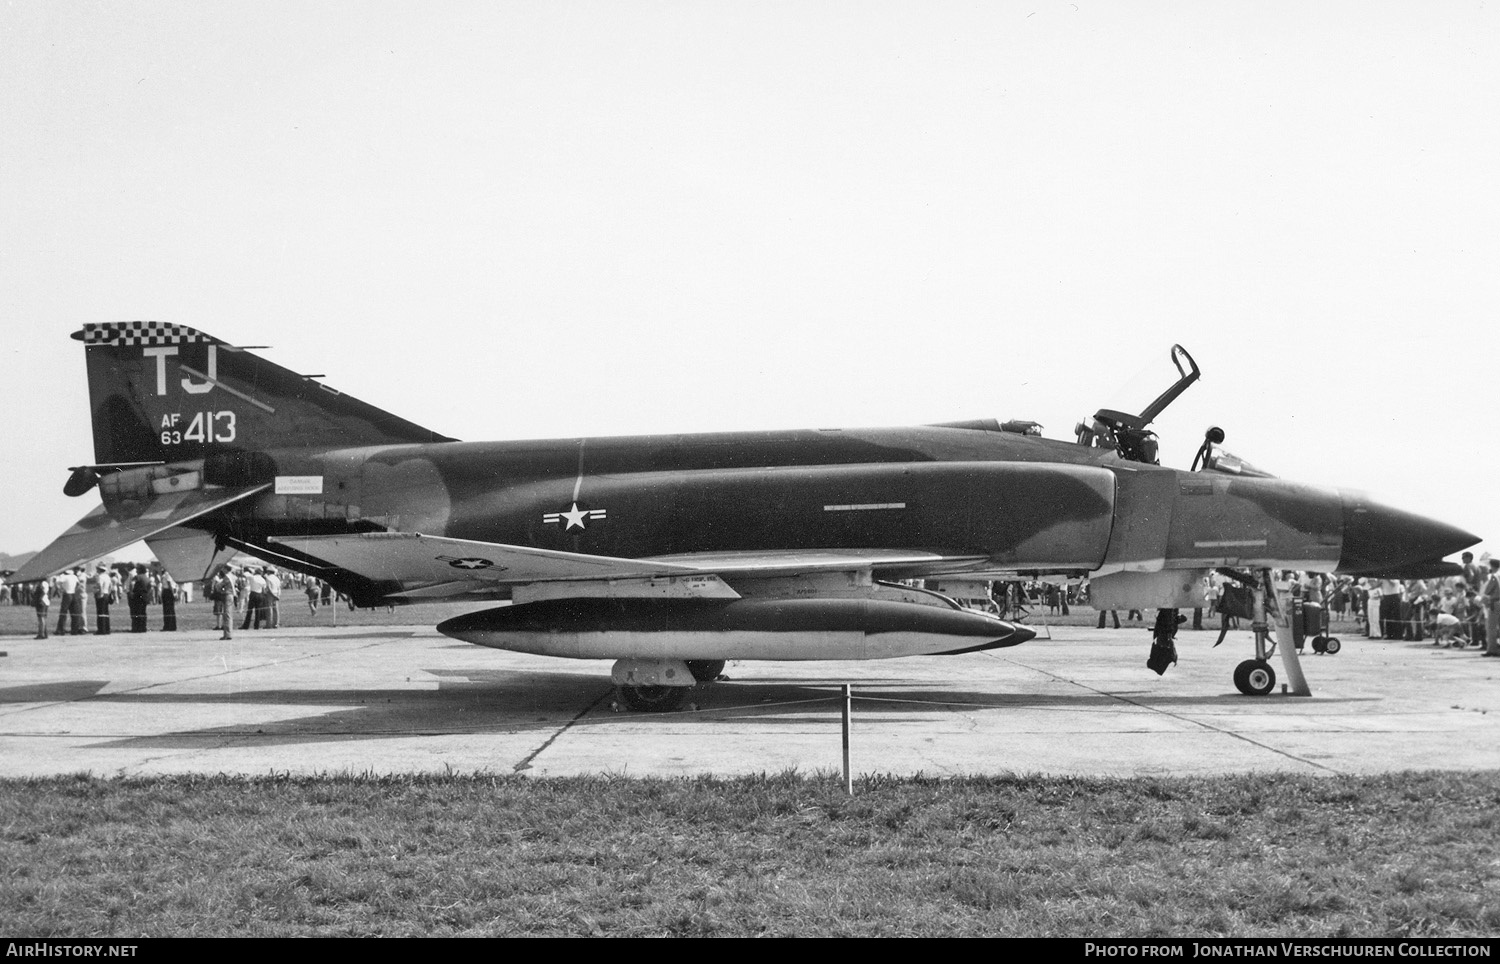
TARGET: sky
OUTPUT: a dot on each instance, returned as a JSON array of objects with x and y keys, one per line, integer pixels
[{"x": 535, "y": 220}]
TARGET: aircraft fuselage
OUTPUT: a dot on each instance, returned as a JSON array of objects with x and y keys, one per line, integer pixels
[{"x": 997, "y": 500}]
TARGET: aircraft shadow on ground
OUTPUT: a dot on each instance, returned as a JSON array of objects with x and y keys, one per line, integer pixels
[
  {"x": 496, "y": 702},
  {"x": 791, "y": 702},
  {"x": 64, "y": 691},
  {"x": 481, "y": 702}
]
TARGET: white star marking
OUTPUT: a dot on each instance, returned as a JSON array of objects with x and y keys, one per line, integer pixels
[{"x": 575, "y": 517}]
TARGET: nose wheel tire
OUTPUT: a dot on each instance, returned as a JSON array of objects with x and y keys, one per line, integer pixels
[{"x": 1254, "y": 677}]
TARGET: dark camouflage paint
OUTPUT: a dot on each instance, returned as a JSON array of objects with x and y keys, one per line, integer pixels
[{"x": 964, "y": 489}]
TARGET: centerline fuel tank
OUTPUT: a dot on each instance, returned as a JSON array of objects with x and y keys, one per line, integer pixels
[{"x": 770, "y": 629}]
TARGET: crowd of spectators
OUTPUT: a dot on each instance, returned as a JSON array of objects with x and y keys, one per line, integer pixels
[
  {"x": 1455, "y": 611},
  {"x": 251, "y": 592},
  {"x": 1458, "y": 610}
]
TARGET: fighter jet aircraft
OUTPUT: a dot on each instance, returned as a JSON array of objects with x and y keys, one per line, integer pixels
[{"x": 671, "y": 554}]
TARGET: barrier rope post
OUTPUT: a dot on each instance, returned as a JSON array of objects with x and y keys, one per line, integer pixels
[{"x": 848, "y": 707}]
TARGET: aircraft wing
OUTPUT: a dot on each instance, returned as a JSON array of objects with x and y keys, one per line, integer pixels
[
  {"x": 98, "y": 533},
  {"x": 460, "y": 564},
  {"x": 437, "y": 566}
]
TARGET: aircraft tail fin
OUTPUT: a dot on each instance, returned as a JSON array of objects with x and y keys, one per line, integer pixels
[{"x": 161, "y": 392}]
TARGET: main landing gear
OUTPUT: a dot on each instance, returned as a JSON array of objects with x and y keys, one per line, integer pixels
[
  {"x": 705, "y": 670},
  {"x": 652, "y": 699},
  {"x": 661, "y": 685}
]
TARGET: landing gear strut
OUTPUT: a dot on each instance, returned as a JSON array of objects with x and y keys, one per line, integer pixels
[{"x": 1255, "y": 677}]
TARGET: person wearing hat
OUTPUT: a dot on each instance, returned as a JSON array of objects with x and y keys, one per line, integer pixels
[
  {"x": 102, "y": 587},
  {"x": 139, "y": 597},
  {"x": 168, "y": 603},
  {"x": 1490, "y": 599},
  {"x": 67, "y": 585},
  {"x": 255, "y": 608},
  {"x": 41, "y": 601},
  {"x": 221, "y": 592},
  {"x": 80, "y": 608},
  {"x": 273, "y": 598},
  {"x": 1474, "y": 573}
]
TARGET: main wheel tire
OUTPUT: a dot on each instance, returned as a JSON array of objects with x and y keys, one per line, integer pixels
[
  {"x": 1320, "y": 644},
  {"x": 705, "y": 670},
  {"x": 653, "y": 699},
  {"x": 1333, "y": 646},
  {"x": 1254, "y": 677}
]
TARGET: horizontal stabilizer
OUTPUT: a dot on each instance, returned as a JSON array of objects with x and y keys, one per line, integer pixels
[
  {"x": 413, "y": 559},
  {"x": 98, "y": 533}
]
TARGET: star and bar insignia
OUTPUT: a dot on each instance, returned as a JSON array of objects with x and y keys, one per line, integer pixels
[
  {"x": 574, "y": 517},
  {"x": 471, "y": 563}
]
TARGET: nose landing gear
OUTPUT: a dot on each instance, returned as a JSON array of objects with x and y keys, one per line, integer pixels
[{"x": 1255, "y": 677}]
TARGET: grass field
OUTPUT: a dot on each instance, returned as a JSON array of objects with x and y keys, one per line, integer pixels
[{"x": 1409, "y": 855}]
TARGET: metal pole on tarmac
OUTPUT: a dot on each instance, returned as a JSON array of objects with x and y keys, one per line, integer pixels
[{"x": 848, "y": 707}]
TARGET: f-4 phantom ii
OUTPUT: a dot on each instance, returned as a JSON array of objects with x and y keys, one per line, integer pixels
[{"x": 671, "y": 554}]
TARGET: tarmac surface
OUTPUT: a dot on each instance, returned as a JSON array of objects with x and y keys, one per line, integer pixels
[{"x": 405, "y": 699}]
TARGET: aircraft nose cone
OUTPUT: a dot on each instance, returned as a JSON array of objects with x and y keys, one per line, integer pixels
[{"x": 1379, "y": 538}]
